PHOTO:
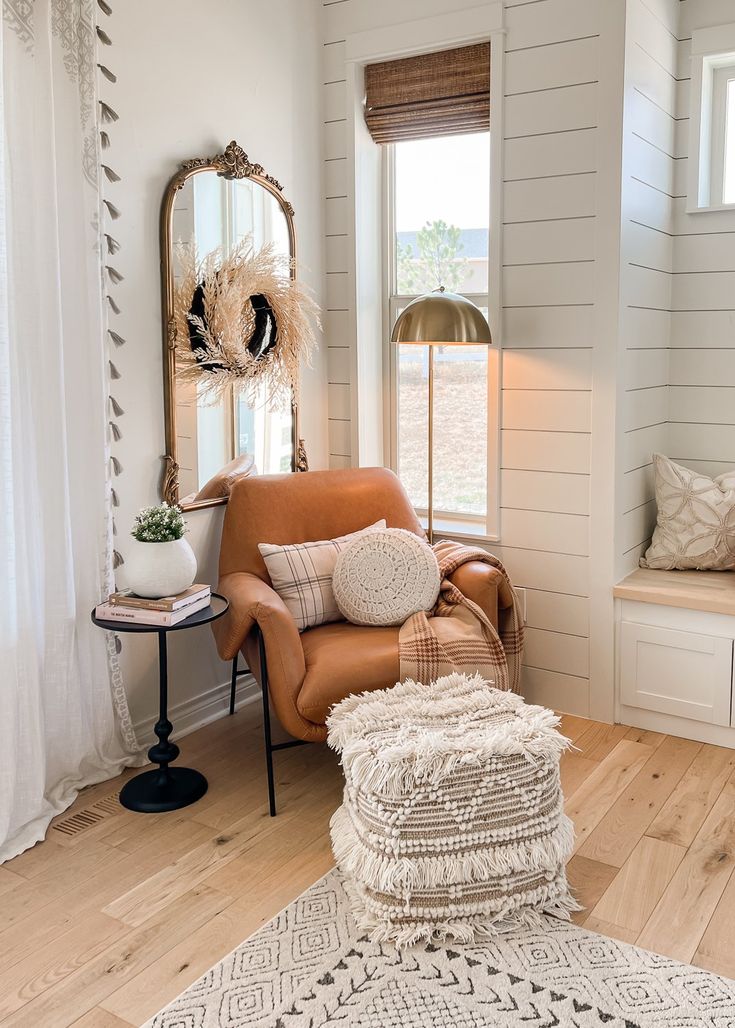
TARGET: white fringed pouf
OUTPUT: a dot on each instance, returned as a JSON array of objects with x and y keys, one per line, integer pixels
[{"x": 452, "y": 823}]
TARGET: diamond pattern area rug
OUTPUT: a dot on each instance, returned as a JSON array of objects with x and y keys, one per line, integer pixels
[{"x": 310, "y": 968}]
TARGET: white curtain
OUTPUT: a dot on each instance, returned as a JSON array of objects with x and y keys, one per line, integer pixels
[{"x": 63, "y": 719}]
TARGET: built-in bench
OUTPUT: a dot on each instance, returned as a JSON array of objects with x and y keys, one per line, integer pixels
[{"x": 675, "y": 644}]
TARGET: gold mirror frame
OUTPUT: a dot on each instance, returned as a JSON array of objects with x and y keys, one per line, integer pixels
[{"x": 234, "y": 163}]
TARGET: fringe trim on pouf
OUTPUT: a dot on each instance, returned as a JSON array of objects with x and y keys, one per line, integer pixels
[{"x": 452, "y": 824}]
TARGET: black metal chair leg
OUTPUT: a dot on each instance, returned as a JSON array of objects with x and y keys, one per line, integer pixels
[
  {"x": 233, "y": 685},
  {"x": 267, "y": 725}
]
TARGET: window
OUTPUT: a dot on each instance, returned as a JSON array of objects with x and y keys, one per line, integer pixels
[
  {"x": 437, "y": 228},
  {"x": 712, "y": 124},
  {"x": 723, "y": 134}
]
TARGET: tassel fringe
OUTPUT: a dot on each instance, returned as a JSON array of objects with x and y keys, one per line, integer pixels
[
  {"x": 113, "y": 304},
  {"x": 116, "y": 337},
  {"x": 104, "y": 7},
  {"x": 116, "y": 466},
  {"x": 114, "y": 373},
  {"x": 114, "y": 274},
  {"x": 104, "y": 140},
  {"x": 110, "y": 175},
  {"x": 109, "y": 75},
  {"x": 115, "y": 432},
  {"x": 112, "y": 244},
  {"x": 103, "y": 37},
  {"x": 116, "y": 408},
  {"x": 114, "y": 212},
  {"x": 117, "y": 561},
  {"x": 114, "y": 497},
  {"x": 108, "y": 114}
]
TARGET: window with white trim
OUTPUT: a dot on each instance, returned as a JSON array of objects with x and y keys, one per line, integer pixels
[
  {"x": 711, "y": 184},
  {"x": 437, "y": 232},
  {"x": 723, "y": 132}
]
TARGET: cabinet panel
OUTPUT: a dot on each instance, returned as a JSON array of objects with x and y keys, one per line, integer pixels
[{"x": 681, "y": 673}]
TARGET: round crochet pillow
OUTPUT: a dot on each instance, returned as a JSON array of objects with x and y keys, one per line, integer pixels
[{"x": 384, "y": 577}]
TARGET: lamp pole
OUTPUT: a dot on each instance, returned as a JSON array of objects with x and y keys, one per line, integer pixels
[{"x": 430, "y": 475}]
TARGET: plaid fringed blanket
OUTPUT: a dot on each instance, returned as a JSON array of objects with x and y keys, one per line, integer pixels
[{"x": 457, "y": 635}]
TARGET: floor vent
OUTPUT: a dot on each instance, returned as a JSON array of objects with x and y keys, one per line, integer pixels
[{"x": 83, "y": 819}]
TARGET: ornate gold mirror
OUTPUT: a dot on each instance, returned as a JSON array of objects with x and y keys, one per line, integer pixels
[{"x": 215, "y": 209}]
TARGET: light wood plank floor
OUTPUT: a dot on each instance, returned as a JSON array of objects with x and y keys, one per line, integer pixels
[{"x": 101, "y": 928}]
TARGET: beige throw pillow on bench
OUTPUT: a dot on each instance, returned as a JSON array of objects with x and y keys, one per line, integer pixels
[
  {"x": 302, "y": 573},
  {"x": 695, "y": 525}
]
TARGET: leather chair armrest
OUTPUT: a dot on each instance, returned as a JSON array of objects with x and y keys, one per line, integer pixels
[
  {"x": 251, "y": 601},
  {"x": 484, "y": 585}
]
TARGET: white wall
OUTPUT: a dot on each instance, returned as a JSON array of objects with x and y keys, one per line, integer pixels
[
  {"x": 702, "y": 356},
  {"x": 190, "y": 78},
  {"x": 559, "y": 285},
  {"x": 650, "y": 181}
]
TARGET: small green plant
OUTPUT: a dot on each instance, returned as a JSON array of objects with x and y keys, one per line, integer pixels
[{"x": 161, "y": 524}]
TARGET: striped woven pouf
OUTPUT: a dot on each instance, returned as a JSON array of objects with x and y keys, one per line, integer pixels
[{"x": 452, "y": 823}]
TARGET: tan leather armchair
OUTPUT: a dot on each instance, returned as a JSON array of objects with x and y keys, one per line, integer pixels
[{"x": 304, "y": 675}]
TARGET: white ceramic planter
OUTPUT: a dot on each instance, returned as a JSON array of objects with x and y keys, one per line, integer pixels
[{"x": 160, "y": 569}]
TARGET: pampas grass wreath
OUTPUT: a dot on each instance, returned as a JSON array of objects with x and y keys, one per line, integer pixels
[{"x": 225, "y": 329}]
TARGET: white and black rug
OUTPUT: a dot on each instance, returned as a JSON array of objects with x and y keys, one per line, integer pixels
[{"x": 310, "y": 968}]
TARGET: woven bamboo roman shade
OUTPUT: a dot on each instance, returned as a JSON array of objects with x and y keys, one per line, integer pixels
[{"x": 439, "y": 94}]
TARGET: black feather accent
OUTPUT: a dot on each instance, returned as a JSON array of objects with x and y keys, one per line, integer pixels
[
  {"x": 104, "y": 140},
  {"x": 116, "y": 337},
  {"x": 110, "y": 175},
  {"x": 114, "y": 212},
  {"x": 102, "y": 36},
  {"x": 114, "y": 373},
  {"x": 117, "y": 562},
  {"x": 113, "y": 305},
  {"x": 108, "y": 114},
  {"x": 109, "y": 75},
  {"x": 112, "y": 244},
  {"x": 116, "y": 466},
  {"x": 116, "y": 408}
]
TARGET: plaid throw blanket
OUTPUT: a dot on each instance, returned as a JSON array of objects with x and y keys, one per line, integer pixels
[{"x": 457, "y": 635}]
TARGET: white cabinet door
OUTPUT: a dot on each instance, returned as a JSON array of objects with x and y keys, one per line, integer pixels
[{"x": 681, "y": 673}]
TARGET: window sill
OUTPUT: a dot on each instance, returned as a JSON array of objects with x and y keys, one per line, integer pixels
[
  {"x": 711, "y": 208},
  {"x": 461, "y": 529}
]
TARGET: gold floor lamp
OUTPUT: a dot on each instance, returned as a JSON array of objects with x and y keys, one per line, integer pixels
[{"x": 439, "y": 319}]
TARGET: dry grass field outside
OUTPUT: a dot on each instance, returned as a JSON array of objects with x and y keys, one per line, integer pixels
[{"x": 460, "y": 427}]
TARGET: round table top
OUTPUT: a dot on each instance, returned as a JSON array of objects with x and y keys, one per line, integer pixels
[{"x": 217, "y": 607}]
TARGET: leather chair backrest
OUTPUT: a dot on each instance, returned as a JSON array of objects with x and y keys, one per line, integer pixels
[{"x": 307, "y": 506}]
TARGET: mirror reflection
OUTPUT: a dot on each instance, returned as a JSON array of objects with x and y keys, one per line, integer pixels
[{"x": 213, "y": 213}]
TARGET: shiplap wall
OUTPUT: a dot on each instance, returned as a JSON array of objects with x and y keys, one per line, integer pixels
[
  {"x": 702, "y": 356},
  {"x": 650, "y": 183},
  {"x": 549, "y": 294}
]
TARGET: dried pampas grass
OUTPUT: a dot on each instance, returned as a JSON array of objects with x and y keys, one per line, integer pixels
[{"x": 226, "y": 327}]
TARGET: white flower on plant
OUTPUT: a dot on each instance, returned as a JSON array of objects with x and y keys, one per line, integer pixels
[{"x": 162, "y": 524}]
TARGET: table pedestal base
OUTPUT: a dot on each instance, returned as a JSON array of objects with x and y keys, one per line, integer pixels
[{"x": 163, "y": 789}]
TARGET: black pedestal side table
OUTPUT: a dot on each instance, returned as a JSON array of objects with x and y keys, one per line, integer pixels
[{"x": 166, "y": 787}]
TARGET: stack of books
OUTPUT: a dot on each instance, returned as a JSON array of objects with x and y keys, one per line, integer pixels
[{"x": 166, "y": 612}]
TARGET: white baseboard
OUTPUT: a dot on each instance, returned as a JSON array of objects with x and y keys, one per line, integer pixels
[{"x": 198, "y": 711}]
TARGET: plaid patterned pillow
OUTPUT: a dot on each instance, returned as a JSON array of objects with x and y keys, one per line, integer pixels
[{"x": 302, "y": 573}]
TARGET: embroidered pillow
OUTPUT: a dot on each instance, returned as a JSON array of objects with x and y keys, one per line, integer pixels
[
  {"x": 302, "y": 573},
  {"x": 695, "y": 525}
]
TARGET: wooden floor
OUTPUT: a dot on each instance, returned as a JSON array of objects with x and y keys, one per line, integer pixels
[{"x": 102, "y": 927}]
